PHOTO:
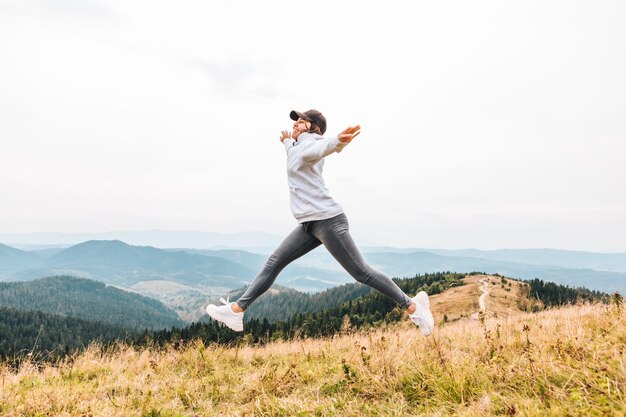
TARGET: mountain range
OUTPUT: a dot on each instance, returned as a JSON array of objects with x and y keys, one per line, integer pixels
[
  {"x": 156, "y": 238},
  {"x": 186, "y": 279}
]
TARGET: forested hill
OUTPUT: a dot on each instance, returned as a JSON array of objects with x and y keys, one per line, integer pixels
[
  {"x": 12, "y": 260},
  {"x": 88, "y": 300},
  {"x": 552, "y": 294},
  {"x": 281, "y": 303},
  {"x": 41, "y": 336}
]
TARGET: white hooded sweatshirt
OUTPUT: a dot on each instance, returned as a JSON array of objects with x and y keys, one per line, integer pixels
[{"x": 308, "y": 196}]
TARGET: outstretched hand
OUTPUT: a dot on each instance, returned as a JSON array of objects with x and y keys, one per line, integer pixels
[
  {"x": 349, "y": 133},
  {"x": 284, "y": 134}
]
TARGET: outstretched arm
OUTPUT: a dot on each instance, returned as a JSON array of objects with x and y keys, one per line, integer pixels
[{"x": 321, "y": 148}]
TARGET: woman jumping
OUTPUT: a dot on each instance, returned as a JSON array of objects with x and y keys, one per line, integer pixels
[{"x": 321, "y": 221}]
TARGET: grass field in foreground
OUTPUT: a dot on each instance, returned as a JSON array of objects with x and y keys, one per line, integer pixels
[{"x": 568, "y": 361}]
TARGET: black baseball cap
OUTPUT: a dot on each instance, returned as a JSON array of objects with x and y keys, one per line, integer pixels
[{"x": 312, "y": 116}]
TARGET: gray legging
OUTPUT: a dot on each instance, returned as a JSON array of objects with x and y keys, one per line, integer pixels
[{"x": 334, "y": 234}]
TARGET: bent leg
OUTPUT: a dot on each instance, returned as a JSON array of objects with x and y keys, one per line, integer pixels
[
  {"x": 298, "y": 243},
  {"x": 335, "y": 235}
]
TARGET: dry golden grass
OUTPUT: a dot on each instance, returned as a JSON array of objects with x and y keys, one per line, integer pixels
[
  {"x": 569, "y": 361},
  {"x": 457, "y": 302},
  {"x": 503, "y": 299},
  {"x": 462, "y": 302}
]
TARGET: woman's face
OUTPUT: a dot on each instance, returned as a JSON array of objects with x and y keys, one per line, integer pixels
[{"x": 300, "y": 126}]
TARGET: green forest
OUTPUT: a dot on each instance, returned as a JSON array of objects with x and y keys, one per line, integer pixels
[
  {"x": 551, "y": 294},
  {"x": 287, "y": 303},
  {"x": 89, "y": 300},
  {"x": 49, "y": 337}
]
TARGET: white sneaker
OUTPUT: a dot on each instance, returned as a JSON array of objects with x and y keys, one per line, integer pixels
[
  {"x": 226, "y": 315},
  {"x": 422, "y": 316}
]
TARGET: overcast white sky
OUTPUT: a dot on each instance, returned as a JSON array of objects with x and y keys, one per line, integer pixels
[{"x": 485, "y": 124}]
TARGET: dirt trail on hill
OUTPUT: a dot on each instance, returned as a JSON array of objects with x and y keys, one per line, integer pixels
[{"x": 481, "y": 300}]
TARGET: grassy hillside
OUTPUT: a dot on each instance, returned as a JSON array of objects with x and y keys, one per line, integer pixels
[
  {"x": 566, "y": 361},
  {"x": 505, "y": 297},
  {"x": 559, "y": 362}
]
